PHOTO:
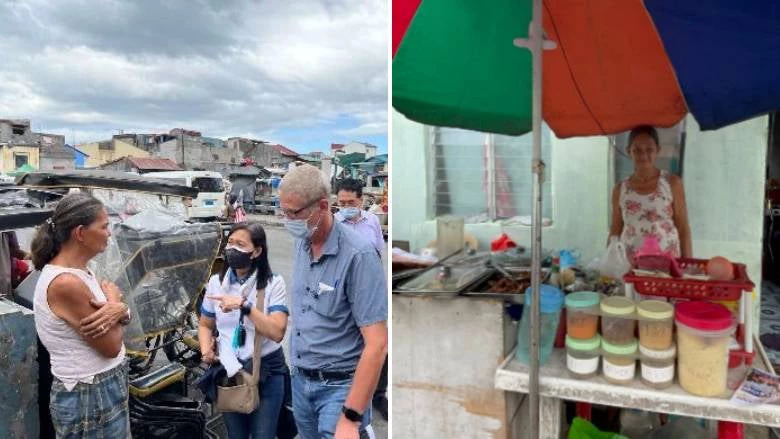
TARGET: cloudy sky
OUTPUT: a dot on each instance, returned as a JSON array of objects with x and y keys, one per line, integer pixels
[{"x": 305, "y": 73}]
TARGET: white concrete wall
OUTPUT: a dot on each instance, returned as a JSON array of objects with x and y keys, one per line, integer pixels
[
  {"x": 724, "y": 177},
  {"x": 439, "y": 390}
]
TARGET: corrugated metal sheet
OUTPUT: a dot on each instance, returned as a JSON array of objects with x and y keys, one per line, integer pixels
[{"x": 19, "y": 380}]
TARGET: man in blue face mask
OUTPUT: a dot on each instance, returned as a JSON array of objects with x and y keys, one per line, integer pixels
[
  {"x": 339, "y": 309},
  {"x": 352, "y": 215}
]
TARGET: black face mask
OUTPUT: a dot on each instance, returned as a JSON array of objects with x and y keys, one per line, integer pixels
[{"x": 238, "y": 259}]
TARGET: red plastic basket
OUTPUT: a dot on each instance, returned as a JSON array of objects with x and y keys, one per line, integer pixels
[{"x": 690, "y": 288}]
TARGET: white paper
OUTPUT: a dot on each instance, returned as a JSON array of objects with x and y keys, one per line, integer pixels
[
  {"x": 620, "y": 373},
  {"x": 658, "y": 374},
  {"x": 228, "y": 357},
  {"x": 582, "y": 366},
  {"x": 325, "y": 288}
]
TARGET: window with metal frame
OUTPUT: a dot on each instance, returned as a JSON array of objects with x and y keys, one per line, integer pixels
[
  {"x": 21, "y": 160},
  {"x": 485, "y": 177}
]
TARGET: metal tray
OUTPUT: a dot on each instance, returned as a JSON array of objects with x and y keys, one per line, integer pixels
[
  {"x": 479, "y": 290},
  {"x": 474, "y": 268}
]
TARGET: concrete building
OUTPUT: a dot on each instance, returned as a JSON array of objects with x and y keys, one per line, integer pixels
[
  {"x": 190, "y": 150},
  {"x": 20, "y": 145},
  {"x": 110, "y": 150},
  {"x": 353, "y": 147},
  {"x": 263, "y": 153},
  {"x": 53, "y": 153},
  {"x": 80, "y": 157}
]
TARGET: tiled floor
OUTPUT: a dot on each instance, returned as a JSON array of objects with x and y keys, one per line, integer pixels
[{"x": 770, "y": 321}]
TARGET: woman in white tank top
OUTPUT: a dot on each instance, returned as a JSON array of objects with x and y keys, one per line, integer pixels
[
  {"x": 79, "y": 321},
  {"x": 651, "y": 202}
]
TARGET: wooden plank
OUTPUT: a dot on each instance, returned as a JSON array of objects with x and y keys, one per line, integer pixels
[{"x": 554, "y": 381}]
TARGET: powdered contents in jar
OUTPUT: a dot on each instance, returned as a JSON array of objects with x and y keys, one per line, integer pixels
[
  {"x": 702, "y": 363},
  {"x": 703, "y": 334},
  {"x": 656, "y": 334},
  {"x": 656, "y": 324},
  {"x": 618, "y": 321},
  {"x": 619, "y": 370},
  {"x": 619, "y": 364},
  {"x": 657, "y": 367},
  {"x": 581, "y": 324},
  {"x": 582, "y": 356},
  {"x": 582, "y": 314}
]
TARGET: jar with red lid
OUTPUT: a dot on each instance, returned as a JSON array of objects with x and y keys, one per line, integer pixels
[{"x": 703, "y": 333}]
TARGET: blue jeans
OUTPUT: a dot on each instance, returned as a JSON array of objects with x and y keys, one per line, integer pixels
[
  {"x": 97, "y": 410},
  {"x": 261, "y": 423},
  {"x": 317, "y": 406}
]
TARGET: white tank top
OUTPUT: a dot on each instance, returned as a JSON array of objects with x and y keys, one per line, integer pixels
[{"x": 72, "y": 359}]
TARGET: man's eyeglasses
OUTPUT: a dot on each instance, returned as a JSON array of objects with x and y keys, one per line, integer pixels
[{"x": 295, "y": 213}]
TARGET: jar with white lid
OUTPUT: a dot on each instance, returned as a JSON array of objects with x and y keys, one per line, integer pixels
[
  {"x": 582, "y": 356},
  {"x": 619, "y": 362},
  {"x": 656, "y": 367}
]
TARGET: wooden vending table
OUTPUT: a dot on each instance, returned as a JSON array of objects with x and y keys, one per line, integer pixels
[{"x": 556, "y": 386}]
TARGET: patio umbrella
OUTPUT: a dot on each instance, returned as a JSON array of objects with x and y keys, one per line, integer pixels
[
  {"x": 612, "y": 65},
  {"x": 618, "y": 63}
]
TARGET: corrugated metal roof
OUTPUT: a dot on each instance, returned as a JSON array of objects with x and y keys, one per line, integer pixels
[
  {"x": 153, "y": 164},
  {"x": 283, "y": 150}
]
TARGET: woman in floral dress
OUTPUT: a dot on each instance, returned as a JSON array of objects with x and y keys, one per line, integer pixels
[{"x": 651, "y": 202}]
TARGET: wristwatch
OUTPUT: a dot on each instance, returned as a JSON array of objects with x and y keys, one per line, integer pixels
[
  {"x": 351, "y": 414},
  {"x": 246, "y": 308}
]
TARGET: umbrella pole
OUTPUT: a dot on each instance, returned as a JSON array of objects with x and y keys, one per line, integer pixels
[{"x": 535, "y": 36}]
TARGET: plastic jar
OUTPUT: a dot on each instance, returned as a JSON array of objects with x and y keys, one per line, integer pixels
[
  {"x": 656, "y": 324},
  {"x": 703, "y": 333},
  {"x": 582, "y": 315},
  {"x": 656, "y": 367},
  {"x": 618, "y": 322},
  {"x": 619, "y": 364},
  {"x": 550, "y": 307},
  {"x": 582, "y": 356}
]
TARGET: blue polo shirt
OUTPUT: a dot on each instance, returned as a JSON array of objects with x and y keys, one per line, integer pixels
[{"x": 332, "y": 298}]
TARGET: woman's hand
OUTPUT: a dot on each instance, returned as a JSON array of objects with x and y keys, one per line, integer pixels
[
  {"x": 209, "y": 356},
  {"x": 112, "y": 292},
  {"x": 227, "y": 303},
  {"x": 107, "y": 315}
]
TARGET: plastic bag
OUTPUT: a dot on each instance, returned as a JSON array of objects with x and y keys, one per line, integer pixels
[
  {"x": 582, "y": 429},
  {"x": 614, "y": 263}
]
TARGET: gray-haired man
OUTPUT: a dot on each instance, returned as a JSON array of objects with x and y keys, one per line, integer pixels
[{"x": 339, "y": 313}]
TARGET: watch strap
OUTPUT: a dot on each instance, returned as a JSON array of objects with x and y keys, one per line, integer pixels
[
  {"x": 352, "y": 414},
  {"x": 246, "y": 308}
]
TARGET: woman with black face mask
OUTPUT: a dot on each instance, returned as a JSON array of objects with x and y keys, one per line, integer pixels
[{"x": 230, "y": 307}]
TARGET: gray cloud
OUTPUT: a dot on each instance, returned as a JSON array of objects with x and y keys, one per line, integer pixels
[{"x": 223, "y": 67}]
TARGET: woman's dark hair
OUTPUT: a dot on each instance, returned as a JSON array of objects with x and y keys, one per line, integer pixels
[
  {"x": 73, "y": 210},
  {"x": 260, "y": 264},
  {"x": 350, "y": 185},
  {"x": 643, "y": 129}
]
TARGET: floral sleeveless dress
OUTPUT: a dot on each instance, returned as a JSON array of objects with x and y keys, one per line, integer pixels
[{"x": 649, "y": 215}]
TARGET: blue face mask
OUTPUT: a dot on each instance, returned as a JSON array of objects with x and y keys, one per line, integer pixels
[
  {"x": 350, "y": 212},
  {"x": 298, "y": 228}
]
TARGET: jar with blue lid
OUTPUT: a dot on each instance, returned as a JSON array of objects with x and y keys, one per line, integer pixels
[{"x": 550, "y": 305}]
